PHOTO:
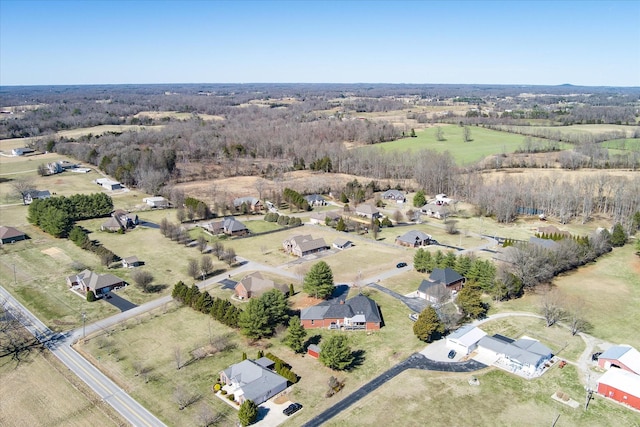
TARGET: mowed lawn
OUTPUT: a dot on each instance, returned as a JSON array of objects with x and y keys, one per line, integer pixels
[
  {"x": 40, "y": 391},
  {"x": 184, "y": 330},
  {"x": 419, "y": 398},
  {"x": 484, "y": 142}
]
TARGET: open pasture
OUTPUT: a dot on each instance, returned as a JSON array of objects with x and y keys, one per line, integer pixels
[{"x": 484, "y": 142}]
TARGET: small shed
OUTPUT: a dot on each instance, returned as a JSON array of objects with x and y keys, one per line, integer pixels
[
  {"x": 313, "y": 351},
  {"x": 130, "y": 262}
]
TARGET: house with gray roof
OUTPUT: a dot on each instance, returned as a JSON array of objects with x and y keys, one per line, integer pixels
[
  {"x": 544, "y": 243},
  {"x": 434, "y": 292},
  {"x": 249, "y": 380},
  {"x": 357, "y": 313},
  {"x": 434, "y": 210},
  {"x": 229, "y": 226},
  {"x": 414, "y": 239},
  {"x": 30, "y": 195},
  {"x": 100, "y": 284},
  {"x": 315, "y": 200},
  {"x": 396, "y": 195},
  {"x": 465, "y": 339},
  {"x": 525, "y": 355},
  {"x": 303, "y": 245},
  {"x": 324, "y": 217},
  {"x": 368, "y": 211}
]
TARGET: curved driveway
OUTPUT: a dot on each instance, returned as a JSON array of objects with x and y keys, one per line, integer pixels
[{"x": 415, "y": 361}]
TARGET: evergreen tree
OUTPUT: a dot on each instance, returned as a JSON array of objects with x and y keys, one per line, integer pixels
[
  {"x": 450, "y": 260},
  {"x": 341, "y": 226},
  {"x": 319, "y": 281},
  {"x": 296, "y": 335},
  {"x": 618, "y": 236},
  {"x": 248, "y": 412},
  {"x": 276, "y": 305},
  {"x": 292, "y": 291},
  {"x": 428, "y": 326},
  {"x": 254, "y": 320},
  {"x": 419, "y": 199},
  {"x": 336, "y": 353},
  {"x": 463, "y": 265},
  {"x": 438, "y": 259},
  {"x": 469, "y": 300},
  {"x": 91, "y": 297}
]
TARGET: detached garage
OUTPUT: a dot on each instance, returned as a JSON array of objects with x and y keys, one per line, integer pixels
[
  {"x": 621, "y": 386},
  {"x": 465, "y": 339}
]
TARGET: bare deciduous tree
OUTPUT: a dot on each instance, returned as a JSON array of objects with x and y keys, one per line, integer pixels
[
  {"x": 22, "y": 185},
  {"x": 177, "y": 357},
  {"x": 142, "y": 279},
  {"x": 193, "y": 269},
  {"x": 206, "y": 416},
  {"x": 552, "y": 306},
  {"x": 206, "y": 266},
  {"x": 184, "y": 396},
  {"x": 201, "y": 243}
]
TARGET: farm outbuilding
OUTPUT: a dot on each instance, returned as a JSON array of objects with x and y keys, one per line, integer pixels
[
  {"x": 621, "y": 356},
  {"x": 621, "y": 386},
  {"x": 313, "y": 351},
  {"x": 10, "y": 235}
]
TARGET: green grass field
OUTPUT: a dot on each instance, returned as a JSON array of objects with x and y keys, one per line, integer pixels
[
  {"x": 485, "y": 142},
  {"x": 627, "y": 144}
]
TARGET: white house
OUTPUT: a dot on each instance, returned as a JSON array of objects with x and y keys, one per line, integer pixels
[
  {"x": 524, "y": 356},
  {"x": 465, "y": 339},
  {"x": 252, "y": 380},
  {"x": 156, "y": 202}
]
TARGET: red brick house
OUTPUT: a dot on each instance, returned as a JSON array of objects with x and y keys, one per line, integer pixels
[{"x": 357, "y": 313}]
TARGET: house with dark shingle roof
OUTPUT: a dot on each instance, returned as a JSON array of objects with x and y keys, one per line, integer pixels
[
  {"x": 303, "y": 245},
  {"x": 10, "y": 235},
  {"x": 249, "y": 380},
  {"x": 253, "y": 204},
  {"x": 357, "y": 313},
  {"x": 29, "y": 196},
  {"x": 414, "y": 239},
  {"x": 448, "y": 277},
  {"x": 433, "y": 292}
]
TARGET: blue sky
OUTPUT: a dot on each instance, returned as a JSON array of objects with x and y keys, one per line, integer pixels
[{"x": 507, "y": 42}]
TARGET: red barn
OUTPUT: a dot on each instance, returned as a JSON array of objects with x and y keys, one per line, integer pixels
[
  {"x": 621, "y": 386},
  {"x": 621, "y": 356}
]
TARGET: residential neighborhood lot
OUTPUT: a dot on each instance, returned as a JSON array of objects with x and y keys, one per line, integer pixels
[{"x": 153, "y": 339}]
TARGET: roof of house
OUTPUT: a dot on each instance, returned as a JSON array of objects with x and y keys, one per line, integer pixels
[
  {"x": 37, "y": 194},
  {"x": 625, "y": 354},
  {"x": 624, "y": 381},
  {"x": 432, "y": 288},
  {"x": 393, "y": 194},
  {"x": 256, "y": 284},
  {"x": 307, "y": 243},
  {"x": 367, "y": 209},
  {"x": 131, "y": 260},
  {"x": 10, "y": 232},
  {"x": 251, "y": 201},
  {"x": 552, "y": 229},
  {"x": 254, "y": 380},
  {"x": 113, "y": 222},
  {"x": 359, "y": 305},
  {"x": 414, "y": 236},
  {"x": 341, "y": 242},
  {"x": 446, "y": 276},
  {"x": 97, "y": 281},
  {"x": 265, "y": 362},
  {"x": 467, "y": 335},
  {"x": 313, "y": 347},
  {"x": 525, "y": 350},
  {"x": 314, "y": 198},
  {"x": 434, "y": 208}
]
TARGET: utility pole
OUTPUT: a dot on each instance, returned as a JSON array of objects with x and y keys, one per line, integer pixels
[
  {"x": 84, "y": 318},
  {"x": 15, "y": 280}
]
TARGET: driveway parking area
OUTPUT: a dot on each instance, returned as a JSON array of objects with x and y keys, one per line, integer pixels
[
  {"x": 270, "y": 414},
  {"x": 438, "y": 350}
]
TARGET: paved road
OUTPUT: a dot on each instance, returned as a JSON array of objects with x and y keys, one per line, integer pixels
[
  {"x": 415, "y": 361},
  {"x": 60, "y": 346}
]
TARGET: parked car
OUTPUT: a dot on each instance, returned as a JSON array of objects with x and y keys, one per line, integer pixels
[
  {"x": 401, "y": 264},
  {"x": 451, "y": 354},
  {"x": 596, "y": 356},
  {"x": 292, "y": 409}
]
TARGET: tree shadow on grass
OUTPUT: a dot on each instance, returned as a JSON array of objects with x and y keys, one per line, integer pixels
[{"x": 358, "y": 359}]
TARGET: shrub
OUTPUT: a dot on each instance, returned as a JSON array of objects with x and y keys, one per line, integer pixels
[
  {"x": 223, "y": 392},
  {"x": 217, "y": 387}
]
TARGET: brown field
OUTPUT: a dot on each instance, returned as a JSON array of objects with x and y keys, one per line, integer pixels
[
  {"x": 158, "y": 115},
  {"x": 40, "y": 391}
]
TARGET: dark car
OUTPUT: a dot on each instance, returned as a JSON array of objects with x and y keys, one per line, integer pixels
[
  {"x": 292, "y": 409},
  {"x": 596, "y": 356},
  {"x": 451, "y": 354},
  {"x": 401, "y": 264}
]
